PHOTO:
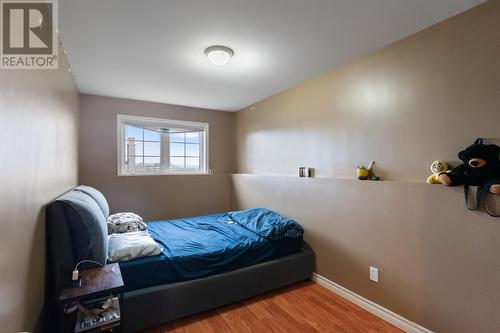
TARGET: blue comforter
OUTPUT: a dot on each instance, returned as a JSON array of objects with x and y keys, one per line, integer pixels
[
  {"x": 267, "y": 224},
  {"x": 202, "y": 246}
]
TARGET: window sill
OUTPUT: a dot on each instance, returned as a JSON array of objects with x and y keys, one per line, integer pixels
[{"x": 164, "y": 174}]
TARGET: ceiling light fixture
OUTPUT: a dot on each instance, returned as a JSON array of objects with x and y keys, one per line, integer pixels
[{"x": 219, "y": 55}]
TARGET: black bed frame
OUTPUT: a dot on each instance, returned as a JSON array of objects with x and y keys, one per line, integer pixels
[
  {"x": 155, "y": 305},
  {"x": 159, "y": 304}
]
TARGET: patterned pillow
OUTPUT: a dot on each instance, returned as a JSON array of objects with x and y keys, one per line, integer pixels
[{"x": 125, "y": 222}]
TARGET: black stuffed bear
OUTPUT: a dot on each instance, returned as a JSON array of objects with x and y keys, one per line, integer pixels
[{"x": 481, "y": 168}]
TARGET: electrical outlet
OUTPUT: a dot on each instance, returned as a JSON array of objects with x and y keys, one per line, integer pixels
[{"x": 373, "y": 274}]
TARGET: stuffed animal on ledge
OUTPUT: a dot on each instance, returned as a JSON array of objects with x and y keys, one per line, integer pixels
[
  {"x": 437, "y": 167},
  {"x": 480, "y": 168}
]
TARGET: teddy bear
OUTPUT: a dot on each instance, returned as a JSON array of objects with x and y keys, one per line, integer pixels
[
  {"x": 437, "y": 167},
  {"x": 480, "y": 168}
]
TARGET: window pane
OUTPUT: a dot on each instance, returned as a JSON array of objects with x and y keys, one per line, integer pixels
[
  {"x": 133, "y": 148},
  {"x": 151, "y": 136},
  {"x": 193, "y": 137},
  {"x": 192, "y": 150},
  {"x": 177, "y": 162},
  {"x": 176, "y": 149},
  {"x": 152, "y": 163},
  {"x": 151, "y": 149},
  {"x": 143, "y": 150},
  {"x": 129, "y": 164},
  {"x": 192, "y": 163},
  {"x": 139, "y": 163},
  {"x": 133, "y": 132},
  {"x": 176, "y": 137}
]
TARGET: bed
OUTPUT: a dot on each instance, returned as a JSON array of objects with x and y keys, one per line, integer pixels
[{"x": 206, "y": 262}]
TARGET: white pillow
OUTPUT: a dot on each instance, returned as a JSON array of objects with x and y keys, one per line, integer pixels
[
  {"x": 131, "y": 245},
  {"x": 125, "y": 222}
]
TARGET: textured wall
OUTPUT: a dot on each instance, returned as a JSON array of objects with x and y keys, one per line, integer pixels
[
  {"x": 404, "y": 106},
  {"x": 38, "y": 131},
  {"x": 154, "y": 197}
]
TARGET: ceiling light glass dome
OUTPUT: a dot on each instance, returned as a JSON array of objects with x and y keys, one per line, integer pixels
[{"x": 219, "y": 55}]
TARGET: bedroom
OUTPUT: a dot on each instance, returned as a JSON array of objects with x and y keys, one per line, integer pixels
[{"x": 137, "y": 106}]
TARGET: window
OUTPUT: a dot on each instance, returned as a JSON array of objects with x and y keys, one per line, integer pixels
[{"x": 161, "y": 146}]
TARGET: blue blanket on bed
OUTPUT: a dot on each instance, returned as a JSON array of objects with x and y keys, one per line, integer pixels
[
  {"x": 267, "y": 224},
  {"x": 201, "y": 246}
]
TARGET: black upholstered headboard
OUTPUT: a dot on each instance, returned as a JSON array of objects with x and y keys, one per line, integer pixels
[{"x": 76, "y": 231}]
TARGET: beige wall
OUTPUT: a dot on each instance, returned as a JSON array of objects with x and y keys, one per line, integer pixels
[
  {"x": 404, "y": 106},
  {"x": 38, "y": 144},
  {"x": 154, "y": 197},
  {"x": 439, "y": 263}
]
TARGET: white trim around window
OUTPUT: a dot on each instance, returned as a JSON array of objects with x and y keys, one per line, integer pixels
[{"x": 164, "y": 129}]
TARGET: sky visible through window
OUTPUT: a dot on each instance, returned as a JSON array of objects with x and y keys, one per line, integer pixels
[
  {"x": 185, "y": 151},
  {"x": 143, "y": 150}
]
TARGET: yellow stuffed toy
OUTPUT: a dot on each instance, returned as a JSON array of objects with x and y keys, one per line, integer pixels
[{"x": 437, "y": 167}]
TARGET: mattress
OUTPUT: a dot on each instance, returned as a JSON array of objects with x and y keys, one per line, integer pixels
[{"x": 201, "y": 246}]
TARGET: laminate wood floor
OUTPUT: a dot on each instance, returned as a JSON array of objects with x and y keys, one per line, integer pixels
[{"x": 303, "y": 307}]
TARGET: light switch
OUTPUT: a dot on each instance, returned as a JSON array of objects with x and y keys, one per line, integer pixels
[{"x": 374, "y": 274}]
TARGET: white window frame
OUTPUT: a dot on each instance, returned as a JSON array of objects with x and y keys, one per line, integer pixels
[{"x": 121, "y": 121}]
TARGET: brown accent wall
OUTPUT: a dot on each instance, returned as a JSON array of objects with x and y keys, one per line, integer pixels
[
  {"x": 154, "y": 197},
  {"x": 39, "y": 152},
  {"x": 418, "y": 100}
]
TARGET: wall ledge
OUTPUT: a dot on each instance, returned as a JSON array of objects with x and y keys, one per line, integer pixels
[{"x": 331, "y": 179}]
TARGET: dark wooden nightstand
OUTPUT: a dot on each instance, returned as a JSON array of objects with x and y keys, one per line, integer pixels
[{"x": 97, "y": 285}]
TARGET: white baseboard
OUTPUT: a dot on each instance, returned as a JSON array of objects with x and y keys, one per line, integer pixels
[{"x": 379, "y": 311}]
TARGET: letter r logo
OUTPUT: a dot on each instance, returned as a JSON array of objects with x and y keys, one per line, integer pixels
[{"x": 27, "y": 28}]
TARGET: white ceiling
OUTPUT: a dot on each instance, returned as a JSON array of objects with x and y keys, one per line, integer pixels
[{"x": 153, "y": 49}]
